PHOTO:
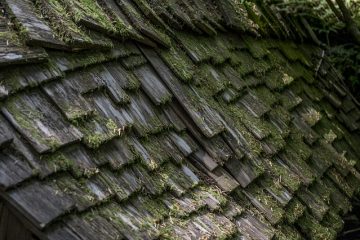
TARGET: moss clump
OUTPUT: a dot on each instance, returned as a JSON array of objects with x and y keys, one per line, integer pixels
[
  {"x": 276, "y": 138},
  {"x": 176, "y": 179},
  {"x": 241, "y": 17},
  {"x": 114, "y": 129},
  {"x": 140, "y": 23},
  {"x": 202, "y": 49},
  {"x": 330, "y": 136},
  {"x": 287, "y": 79},
  {"x": 95, "y": 140},
  {"x": 60, "y": 21},
  {"x": 125, "y": 31},
  {"x": 297, "y": 70},
  {"x": 290, "y": 50},
  {"x": 286, "y": 232},
  {"x": 266, "y": 96},
  {"x": 313, "y": 229},
  {"x": 76, "y": 116},
  {"x": 264, "y": 203},
  {"x": 275, "y": 79},
  {"x": 179, "y": 63},
  {"x": 299, "y": 148},
  {"x": 88, "y": 9},
  {"x": 133, "y": 82},
  {"x": 311, "y": 116},
  {"x": 213, "y": 193},
  {"x": 157, "y": 155},
  {"x": 99, "y": 130},
  {"x": 289, "y": 100},
  {"x": 133, "y": 61},
  {"x": 294, "y": 210},
  {"x": 152, "y": 126},
  {"x": 232, "y": 112},
  {"x": 155, "y": 206},
  {"x": 285, "y": 176},
  {"x": 26, "y": 116},
  {"x": 340, "y": 182},
  {"x": 10, "y": 38},
  {"x": 58, "y": 161},
  {"x": 333, "y": 220},
  {"x": 211, "y": 77},
  {"x": 257, "y": 48}
]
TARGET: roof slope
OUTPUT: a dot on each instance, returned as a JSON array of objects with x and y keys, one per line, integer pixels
[{"x": 171, "y": 119}]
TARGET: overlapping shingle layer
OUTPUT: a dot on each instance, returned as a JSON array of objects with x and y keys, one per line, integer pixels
[{"x": 170, "y": 119}]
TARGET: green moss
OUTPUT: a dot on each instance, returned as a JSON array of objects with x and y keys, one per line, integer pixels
[
  {"x": 276, "y": 79},
  {"x": 10, "y": 37},
  {"x": 285, "y": 176},
  {"x": 257, "y": 195},
  {"x": 233, "y": 112},
  {"x": 289, "y": 102},
  {"x": 311, "y": 116},
  {"x": 211, "y": 192},
  {"x": 135, "y": 224},
  {"x": 294, "y": 210},
  {"x": 60, "y": 20},
  {"x": 204, "y": 48},
  {"x": 277, "y": 139},
  {"x": 313, "y": 92},
  {"x": 266, "y": 96},
  {"x": 155, "y": 207},
  {"x": 133, "y": 61},
  {"x": 165, "y": 99},
  {"x": 77, "y": 116},
  {"x": 281, "y": 113},
  {"x": 278, "y": 59},
  {"x": 142, "y": 23},
  {"x": 16, "y": 33},
  {"x": 175, "y": 178},
  {"x": 94, "y": 138},
  {"x": 178, "y": 62},
  {"x": 158, "y": 155},
  {"x": 79, "y": 59},
  {"x": 210, "y": 78},
  {"x": 133, "y": 82},
  {"x": 333, "y": 220},
  {"x": 322, "y": 190},
  {"x": 286, "y": 232},
  {"x": 299, "y": 149},
  {"x": 297, "y": 71},
  {"x": 330, "y": 136},
  {"x": 257, "y": 48},
  {"x": 248, "y": 64},
  {"x": 253, "y": 124},
  {"x": 25, "y": 117},
  {"x": 88, "y": 9},
  {"x": 314, "y": 230},
  {"x": 235, "y": 59},
  {"x": 341, "y": 182},
  {"x": 223, "y": 228},
  {"x": 58, "y": 161},
  {"x": 290, "y": 50},
  {"x": 152, "y": 126}
]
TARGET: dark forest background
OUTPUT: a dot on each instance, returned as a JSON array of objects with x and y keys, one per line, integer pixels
[{"x": 333, "y": 24}]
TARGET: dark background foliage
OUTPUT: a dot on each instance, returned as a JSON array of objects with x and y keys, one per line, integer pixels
[{"x": 335, "y": 24}]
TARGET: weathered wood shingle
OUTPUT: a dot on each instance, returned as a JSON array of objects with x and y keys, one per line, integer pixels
[{"x": 205, "y": 132}]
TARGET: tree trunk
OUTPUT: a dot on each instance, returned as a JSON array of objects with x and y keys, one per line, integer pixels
[
  {"x": 349, "y": 21},
  {"x": 335, "y": 10}
]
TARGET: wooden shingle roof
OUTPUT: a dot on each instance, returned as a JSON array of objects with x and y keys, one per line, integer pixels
[{"x": 191, "y": 119}]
